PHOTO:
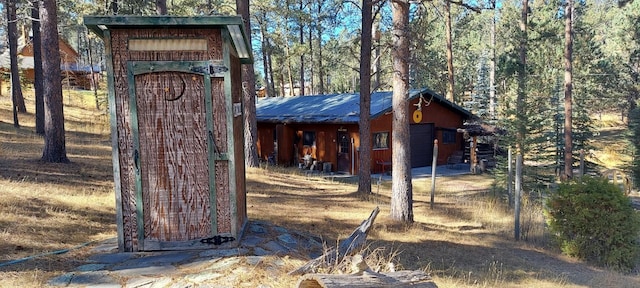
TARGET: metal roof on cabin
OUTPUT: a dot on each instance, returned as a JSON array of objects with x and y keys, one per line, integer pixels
[{"x": 336, "y": 108}]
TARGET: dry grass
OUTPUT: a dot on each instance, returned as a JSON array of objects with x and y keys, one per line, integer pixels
[
  {"x": 609, "y": 151},
  {"x": 465, "y": 241},
  {"x": 48, "y": 207}
]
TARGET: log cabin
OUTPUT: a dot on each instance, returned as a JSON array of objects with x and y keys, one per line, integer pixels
[{"x": 324, "y": 128}]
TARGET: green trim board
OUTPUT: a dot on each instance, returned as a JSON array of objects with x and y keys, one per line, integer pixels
[
  {"x": 233, "y": 24},
  {"x": 230, "y": 139},
  {"x": 115, "y": 151},
  {"x": 133, "y": 109},
  {"x": 205, "y": 68},
  {"x": 212, "y": 153}
]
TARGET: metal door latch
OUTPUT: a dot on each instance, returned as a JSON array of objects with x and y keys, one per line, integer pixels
[{"x": 217, "y": 240}]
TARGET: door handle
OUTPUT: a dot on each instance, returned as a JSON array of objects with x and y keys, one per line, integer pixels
[{"x": 136, "y": 160}]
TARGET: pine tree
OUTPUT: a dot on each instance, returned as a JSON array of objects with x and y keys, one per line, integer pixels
[{"x": 479, "y": 104}]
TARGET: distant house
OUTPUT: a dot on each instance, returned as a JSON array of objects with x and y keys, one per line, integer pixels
[
  {"x": 73, "y": 73},
  {"x": 325, "y": 127}
]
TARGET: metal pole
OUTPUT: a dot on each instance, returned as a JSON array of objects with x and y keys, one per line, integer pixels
[
  {"x": 433, "y": 170},
  {"x": 518, "y": 195},
  {"x": 353, "y": 156}
]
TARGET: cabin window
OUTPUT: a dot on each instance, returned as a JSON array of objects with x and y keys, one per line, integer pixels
[
  {"x": 309, "y": 138},
  {"x": 381, "y": 140},
  {"x": 448, "y": 136}
]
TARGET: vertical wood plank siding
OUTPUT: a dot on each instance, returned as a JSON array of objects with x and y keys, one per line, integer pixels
[
  {"x": 173, "y": 152},
  {"x": 164, "y": 140}
]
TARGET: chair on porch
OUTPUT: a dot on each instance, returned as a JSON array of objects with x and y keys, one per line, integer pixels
[{"x": 382, "y": 165}]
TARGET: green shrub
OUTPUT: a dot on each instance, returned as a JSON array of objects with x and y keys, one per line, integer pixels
[{"x": 593, "y": 220}]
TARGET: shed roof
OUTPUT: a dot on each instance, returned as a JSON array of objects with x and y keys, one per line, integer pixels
[
  {"x": 337, "y": 108},
  {"x": 234, "y": 24}
]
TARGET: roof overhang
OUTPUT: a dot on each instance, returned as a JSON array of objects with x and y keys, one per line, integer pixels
[
  {"x": 426, "y": 92},
  {"x": 233, "y": 24},
  {"x": 340, "y": 108},
  {"x": 290, "y": 121}
]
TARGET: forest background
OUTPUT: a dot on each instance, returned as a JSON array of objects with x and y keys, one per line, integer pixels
[
  {"x": 471, "y": 52},
  {"x": 314, "y": 47}
]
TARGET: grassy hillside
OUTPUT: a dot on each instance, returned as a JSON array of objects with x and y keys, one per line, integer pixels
[{"x": 466, "y": 241}]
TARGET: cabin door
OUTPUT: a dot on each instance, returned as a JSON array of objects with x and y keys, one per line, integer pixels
[
  {"x": 421, "y": 141},
  {"x": 174, "y": 152},
  {"x": 344, "y": 152}
]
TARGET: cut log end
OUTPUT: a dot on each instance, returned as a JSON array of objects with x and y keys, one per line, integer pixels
[{"x": 400, "y": 279}]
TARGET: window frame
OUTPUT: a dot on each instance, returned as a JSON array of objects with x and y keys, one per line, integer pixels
[
  {"x": 449, "y": 136},
  {"x": 383, "y": 144},
  {"x": 312, "y": 138}
]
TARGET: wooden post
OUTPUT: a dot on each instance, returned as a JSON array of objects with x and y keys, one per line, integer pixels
[
  {"x": 518, "y": 194},
  {"x": 581, "y": 163},
  {"x": 379, "y": 182},
  {"x": 510, "y": 178},
  {"x": 472, "y": 152},
  {"x": 433, "y": 170}
]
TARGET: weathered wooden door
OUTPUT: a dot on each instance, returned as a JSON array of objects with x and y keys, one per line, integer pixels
[
  {"x": 344, "y": 150},
  {"x": 174, "y": 152}
]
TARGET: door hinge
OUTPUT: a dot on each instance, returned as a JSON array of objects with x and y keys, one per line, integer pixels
[{"x": 211, "y": 69}]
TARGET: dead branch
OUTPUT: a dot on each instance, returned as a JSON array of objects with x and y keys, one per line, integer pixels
[{"x": 346, "y": 247}]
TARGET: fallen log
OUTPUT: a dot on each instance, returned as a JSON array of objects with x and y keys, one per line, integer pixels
[
  {"x": 369, "y": 279},
  {"x": 346, "y": 247}
]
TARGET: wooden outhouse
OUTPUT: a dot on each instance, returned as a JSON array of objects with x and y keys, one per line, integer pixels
[{"x": 175, "y": 98}]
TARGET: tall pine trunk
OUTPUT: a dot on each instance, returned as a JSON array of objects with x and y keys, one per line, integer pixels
[
  {"x": 94, "y": 82},
  {"x": 522, "y": 78},
  {"x": 450, "y": 77},
  {"x": 375, "y": 35},
  {"x": 37, "y": 67},
  {"x": 12, "y": 34},
  {"x": 289, "y": 70},
  {"x": 272, "y": 84},
  {"x": 265, "y": 55},
  {"x": 54, "y": 139},
  {"x": 364, "y": 173},
  {"x": 492, "y": 64},
  {"x": 568, "y": 89},
  {"x": 320, "y": 67},
  {"x": 161, "y": 7},
  {"x": 302, "y": 92},
  {"x": 249, "y": 96},
  {"x": 311, "y": 68},
  {"x": 401, "y": 190}
]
